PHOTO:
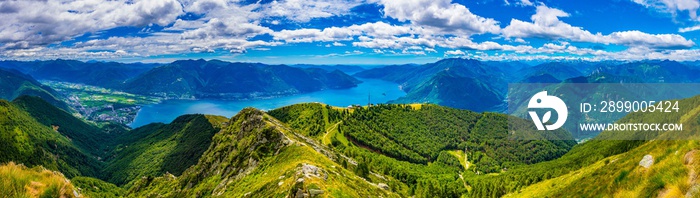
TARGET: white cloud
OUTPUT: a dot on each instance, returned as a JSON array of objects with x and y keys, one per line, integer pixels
[
  {"x": 546, "y": 24},
  {"x": 441, "y": 15},
  {"x": 672, "y": 6},
  {"x": 377, "y": 30},
  {"x": 313, "y": 35},
  {"x": 455, "y": 53},
  {"x": 206, "y": 6},
  {"x": 231, "y": 26},
  {"x": 305, "y": 10},
  {"x": 689, "y": 29},
  {"x": 525, "y": 3},
  {"x": 33, "y": 23}
]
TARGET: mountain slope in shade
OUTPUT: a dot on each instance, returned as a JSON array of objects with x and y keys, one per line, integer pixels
[
  {"x": 102, "y": 74},
  {"x": 350, "y": 69},
  {"x": 14, "y": 84},
  {"x": 542, "y": 78},
  {"x": 451, "y": 82},
  {"x": 257, "y": 155},
  {"x": 497, "y": 75},
  {"x": 445, "y": 87},
  {"x": 560, "y": 71},
  {"x": 654, "y": 72},
  {"x": 218, "y": 79},
  {"x": 157, "y": 148},
  {"x": 393, "y": 73}
]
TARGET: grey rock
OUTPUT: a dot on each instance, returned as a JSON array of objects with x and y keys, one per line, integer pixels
[
  {"x": 300, "y": 193},
  {"x": 383, "y": 186},
  {"x": 310, "y": 170},
  {"x": 314, "y": 192},
  {"x": 647, "y": 161}
]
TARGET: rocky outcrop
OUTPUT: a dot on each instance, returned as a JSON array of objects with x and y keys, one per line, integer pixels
[
  {"x": 647, "y": 161},
  {"x": 307, "y": 171}
]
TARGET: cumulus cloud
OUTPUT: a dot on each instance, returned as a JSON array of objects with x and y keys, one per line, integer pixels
[
  {"x": 205, "y": 26},
  {"x": 223, "y": 25},
  {"x": 305, "y": 10},
  {"x": 455, "y": 53},
  {"x": 206, "y": 6},
  {"x": 526, "y": 3},
  {"x": 216, "y": 28},
  {"x": 672, "y": 6},
  {"x": 546, "y": 24},
  {"x": 31, "y": 23},
  {"x": 440, "y": 14}
]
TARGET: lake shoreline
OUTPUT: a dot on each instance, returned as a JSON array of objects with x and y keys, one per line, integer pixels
[{"x": 378, "y": 91}]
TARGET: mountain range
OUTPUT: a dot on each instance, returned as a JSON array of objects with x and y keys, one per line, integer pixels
[
  {"x": 450, "y": 82},
  {"x": 224, "y": 80},
  {"x": 192, "y": 78},
  {"x": 482, "y": 85},
  {"x": 380, "y": 150},
  {"x": 103, "y": 74}
]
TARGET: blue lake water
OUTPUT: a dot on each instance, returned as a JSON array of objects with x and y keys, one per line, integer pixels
[{"x": 165, "y": 112}]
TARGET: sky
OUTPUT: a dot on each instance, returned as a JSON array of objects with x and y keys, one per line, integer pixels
[{"x": 349, "y": 31}]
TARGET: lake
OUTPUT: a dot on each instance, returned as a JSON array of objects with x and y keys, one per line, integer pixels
[{"x": 165, "y": 112}]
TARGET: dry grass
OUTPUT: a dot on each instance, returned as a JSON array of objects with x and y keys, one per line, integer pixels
[{"x": 20, "y": 181}]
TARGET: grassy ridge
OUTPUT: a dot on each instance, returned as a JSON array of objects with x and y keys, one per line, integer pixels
[{"x": 256, "y": 155}]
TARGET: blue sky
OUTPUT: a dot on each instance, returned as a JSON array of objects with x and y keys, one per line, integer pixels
[{"x": 349, "y": 31}]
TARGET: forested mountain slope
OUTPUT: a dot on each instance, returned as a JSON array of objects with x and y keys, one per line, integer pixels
[{"x": 257, "y": 155}]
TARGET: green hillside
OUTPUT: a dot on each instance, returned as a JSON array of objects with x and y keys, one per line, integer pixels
[
  {"x": 416, "y": 149},
  {"x": 257, "y": 155},
  {"x": 26, "y": 140},
  {"x": 611, "y": 167},
  {"x": 314, "y": 149},
  {"x": 84, "y": 135},
  {"x": 158, "y": 148}
]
